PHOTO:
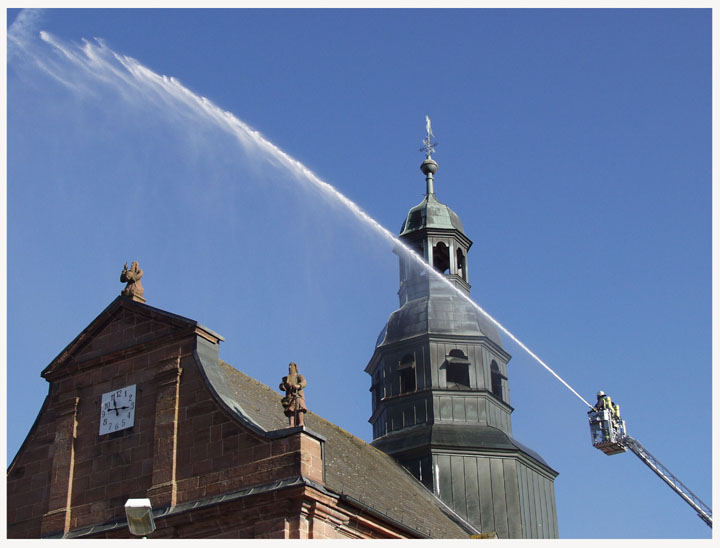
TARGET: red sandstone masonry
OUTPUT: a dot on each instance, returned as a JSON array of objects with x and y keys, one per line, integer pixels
[
  {"x": 183, "y": 447},
  {"x": 210, "y": 441},
  {"x": 116, "y": 466}
]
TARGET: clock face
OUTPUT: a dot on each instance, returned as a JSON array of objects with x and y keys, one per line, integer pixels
[{"x": 117, "y": 410}]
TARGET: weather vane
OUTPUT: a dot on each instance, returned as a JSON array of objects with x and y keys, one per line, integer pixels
[{"x": 429, "y": 147}]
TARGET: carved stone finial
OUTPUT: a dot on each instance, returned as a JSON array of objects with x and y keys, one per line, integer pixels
[
  {"x": 134, "y": 288},
  {"x": 294, "y": 400}
]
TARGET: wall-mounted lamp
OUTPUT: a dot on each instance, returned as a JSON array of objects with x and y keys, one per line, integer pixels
[{"x": 139, "y": 516}]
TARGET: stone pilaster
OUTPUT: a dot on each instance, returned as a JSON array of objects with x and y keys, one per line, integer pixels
[
  {"x": 57, "y": 517},
  {"x": 167, "y": 381}
]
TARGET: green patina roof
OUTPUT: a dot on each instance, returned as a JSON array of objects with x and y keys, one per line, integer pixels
[{"x": 431, "y": 214}]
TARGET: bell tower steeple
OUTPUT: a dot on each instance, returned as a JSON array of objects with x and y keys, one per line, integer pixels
[
  {"x": 440, "y": 394},
  {"x": 435, "y": 232}
]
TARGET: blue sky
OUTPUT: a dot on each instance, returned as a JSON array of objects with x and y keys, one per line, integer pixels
[{"x": 575, "y": 145}]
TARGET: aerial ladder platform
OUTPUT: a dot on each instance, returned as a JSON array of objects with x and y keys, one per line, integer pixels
[{"x": 609, "y": 435}]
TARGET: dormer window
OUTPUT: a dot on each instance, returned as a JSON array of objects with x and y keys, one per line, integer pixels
[
  {"x": 406, "y": 374},
  {"x": 496, "y": 379},
  {"x": 457, "y": 370},
  {"x": 377, "y": 388}
]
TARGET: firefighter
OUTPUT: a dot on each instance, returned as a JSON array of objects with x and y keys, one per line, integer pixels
[{"x": 603, "y": 402}]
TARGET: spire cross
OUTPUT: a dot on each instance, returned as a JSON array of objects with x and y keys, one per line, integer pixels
[{"x": 429, "y": 147}]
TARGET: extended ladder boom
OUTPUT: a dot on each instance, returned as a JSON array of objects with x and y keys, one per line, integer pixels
[
  {"x": 609, "y": 435},
  {"x": 675, "y": 484}
]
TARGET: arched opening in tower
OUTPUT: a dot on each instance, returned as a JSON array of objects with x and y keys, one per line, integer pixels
[
  {"x": 461, "y": 264},
  {"x": 441, "y": 258},
  {"x": 414, "y": 269}
]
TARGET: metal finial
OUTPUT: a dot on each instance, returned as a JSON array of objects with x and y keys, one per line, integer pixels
[
  {"x": 429, "y": 147},
  {"x": 429, "y": 166}
]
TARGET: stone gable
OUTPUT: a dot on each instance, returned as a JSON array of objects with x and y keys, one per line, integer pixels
[
  {"x": 207, "y": 445},
  {"x": 124, "y": 329}
]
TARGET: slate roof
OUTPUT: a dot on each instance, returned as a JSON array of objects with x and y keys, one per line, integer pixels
[
  {"x": 464, "y": 436},
  {"x": 439, "y": 314},
  {"x": 353, "y": 468}
]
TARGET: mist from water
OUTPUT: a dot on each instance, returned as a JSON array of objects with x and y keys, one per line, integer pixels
[{"x": 76, "y": 66}]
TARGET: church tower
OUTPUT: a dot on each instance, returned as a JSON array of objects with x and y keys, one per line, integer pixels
[{"x": 440, "y": 393}]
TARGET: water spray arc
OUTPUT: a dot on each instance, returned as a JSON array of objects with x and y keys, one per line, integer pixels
[{"x": 125, "y": 74}]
